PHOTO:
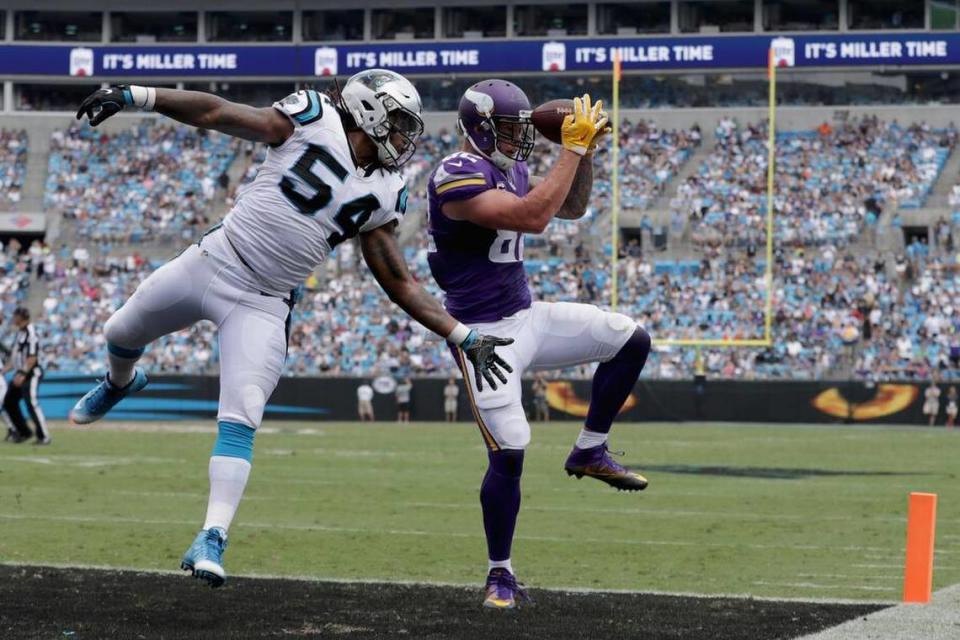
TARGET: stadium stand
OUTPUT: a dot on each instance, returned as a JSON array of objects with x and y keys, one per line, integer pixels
[
  {"x": 831, "y": 183},
  {"x": 649, "y": 157},
  {"x": 168, "y": 180},
  {"x": 858, "y": 314},
  {"x": 80, "y": 298},
  {"x": 13, "y": 167},
  {"x": 902, "y": 309},
  {"x": 15, "y": 280}
]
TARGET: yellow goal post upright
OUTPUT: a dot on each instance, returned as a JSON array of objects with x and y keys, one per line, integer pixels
[
  {"x": 615, "y": 183},
  {"x": 697, "y": 343}
]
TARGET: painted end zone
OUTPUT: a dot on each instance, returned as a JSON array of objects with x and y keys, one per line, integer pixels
[{"x": 119, "y": 604}]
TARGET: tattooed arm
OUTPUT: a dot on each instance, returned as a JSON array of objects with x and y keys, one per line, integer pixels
[
  {"x": 577, "y": 199},
  {"x": 196, "y": 108},
  {"x": 383, "y": 257},
  {"x": 385, "y": 260}
]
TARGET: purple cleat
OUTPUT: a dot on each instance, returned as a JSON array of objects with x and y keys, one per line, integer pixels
[
  {"x": 503, "y": 591},
  {"x": 596, "y": 462}
]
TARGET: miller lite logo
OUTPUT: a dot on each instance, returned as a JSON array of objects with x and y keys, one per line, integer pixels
[
  {"x": 81, "y": 61},
  {"x": 554, "y": 56},
  {"x": 784, "y": 52},
  {"x": 325, "y": 61}
]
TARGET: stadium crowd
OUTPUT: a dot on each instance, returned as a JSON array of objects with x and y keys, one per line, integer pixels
[
  {"x": 149, "y": 182},
  {"x": 831, "y": 183},
  {"x": 891, "y": 317},
  {"x": 649, "y": 158},
  {"x": 15, "y": 269},
  {"x": 13, "y": 167},
  {"x": 81, "y": 296},
  {"x": 834, "y": 313}
]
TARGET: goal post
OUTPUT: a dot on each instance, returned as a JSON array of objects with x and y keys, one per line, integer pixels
[{"x": 767, "y": 339}]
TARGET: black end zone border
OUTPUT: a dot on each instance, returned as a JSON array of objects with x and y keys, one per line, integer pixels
[{"x": 88, "y": 604}]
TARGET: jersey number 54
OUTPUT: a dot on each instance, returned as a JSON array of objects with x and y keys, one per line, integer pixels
[{"x": 350, "y": 217}]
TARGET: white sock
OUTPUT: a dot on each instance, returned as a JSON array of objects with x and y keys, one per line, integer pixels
[
  {"x": 228, "y": 479},
  {"x": 121, "y": 369},
  {"x": 500, "y": 564},
  {"x": 590, "y": 439}
]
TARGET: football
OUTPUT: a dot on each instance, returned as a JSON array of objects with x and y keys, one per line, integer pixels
[{"x": 548, "y": 118}]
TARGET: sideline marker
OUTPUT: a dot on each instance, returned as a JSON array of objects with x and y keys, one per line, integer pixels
[{"x": 918, "y": 571}]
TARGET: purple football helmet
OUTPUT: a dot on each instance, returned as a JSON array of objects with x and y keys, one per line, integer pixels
[{"x": 494, "y": 115}]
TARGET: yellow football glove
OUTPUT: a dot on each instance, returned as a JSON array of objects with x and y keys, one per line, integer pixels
[
  {"x": 580, "y": 128},
  {"x": 603, "y": 130}
]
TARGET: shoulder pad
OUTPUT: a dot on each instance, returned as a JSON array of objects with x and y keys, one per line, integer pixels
[
  {"x": 401, "y": 204},
  {"x": 304, "y": 106},
  {"x": 460, "y": 170}
]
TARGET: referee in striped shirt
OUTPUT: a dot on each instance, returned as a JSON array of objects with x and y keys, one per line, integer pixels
[{"x": 26, "y": 380}]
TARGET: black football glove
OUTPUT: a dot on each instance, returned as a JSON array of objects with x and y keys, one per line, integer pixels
[
  {"x": 479, "y": 350},
  {"x": 103, "y": 103}
]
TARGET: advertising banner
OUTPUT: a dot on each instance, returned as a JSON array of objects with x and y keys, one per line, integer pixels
[
  {"x": 23, "y": 222},
  {"x": 171, "y": 397},
  {"x": 486, "y": 56}
]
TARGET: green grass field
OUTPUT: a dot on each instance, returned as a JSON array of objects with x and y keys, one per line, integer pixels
[{"x": 777, "y": 511}]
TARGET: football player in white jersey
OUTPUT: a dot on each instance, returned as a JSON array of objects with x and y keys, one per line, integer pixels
[{"x": 330, "y": 174}]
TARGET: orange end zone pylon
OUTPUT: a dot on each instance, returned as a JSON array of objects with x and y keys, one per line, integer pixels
[{"x": 918, "y": 571}]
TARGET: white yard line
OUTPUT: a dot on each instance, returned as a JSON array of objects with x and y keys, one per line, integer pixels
[
  {"x": 814, "y": 585},
  {"x": 91, "y": 461},
  {"x": 442, "y": 534},
  {"x": 844, "y": 576},
  {"x": 939, "y": 620},
  {"x": 656, "y": 511},
  {"x": 650, "y": 511}
]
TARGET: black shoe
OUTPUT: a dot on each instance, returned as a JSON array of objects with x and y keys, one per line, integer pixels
[{"x": 17, "y": 438}]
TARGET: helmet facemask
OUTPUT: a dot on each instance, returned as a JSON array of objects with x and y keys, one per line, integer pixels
[
  {"x": 514, "y": 137},
  {"x": 396, "y": 138}
]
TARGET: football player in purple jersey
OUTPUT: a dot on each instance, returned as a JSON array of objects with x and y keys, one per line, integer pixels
[{"x": 481, "y": 202}]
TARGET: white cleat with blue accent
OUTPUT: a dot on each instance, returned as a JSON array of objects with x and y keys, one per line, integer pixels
[
  {"x": 103, "y": 397},
  {"x": 204, "y": 558}
]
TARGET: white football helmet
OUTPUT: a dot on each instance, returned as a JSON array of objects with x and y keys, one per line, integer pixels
[{"x": 388, "y": 109}]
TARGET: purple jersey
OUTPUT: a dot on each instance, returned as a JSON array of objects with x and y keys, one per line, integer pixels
[{"x": 480, "y": 269}]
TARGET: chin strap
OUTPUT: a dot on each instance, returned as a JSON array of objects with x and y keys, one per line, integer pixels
[
  {"x": 367, "y": 168},
  {"x": 501, "y": 161}
]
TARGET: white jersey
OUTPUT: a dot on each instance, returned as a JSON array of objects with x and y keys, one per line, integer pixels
[
  {"x": 364, "y": 393},
  {"x": 308, "y": 197}
]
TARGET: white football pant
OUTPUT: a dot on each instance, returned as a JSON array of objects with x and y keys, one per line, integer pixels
[
  {"x": 209, "y": 282},
  {"x": 548, "y": 335}
]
